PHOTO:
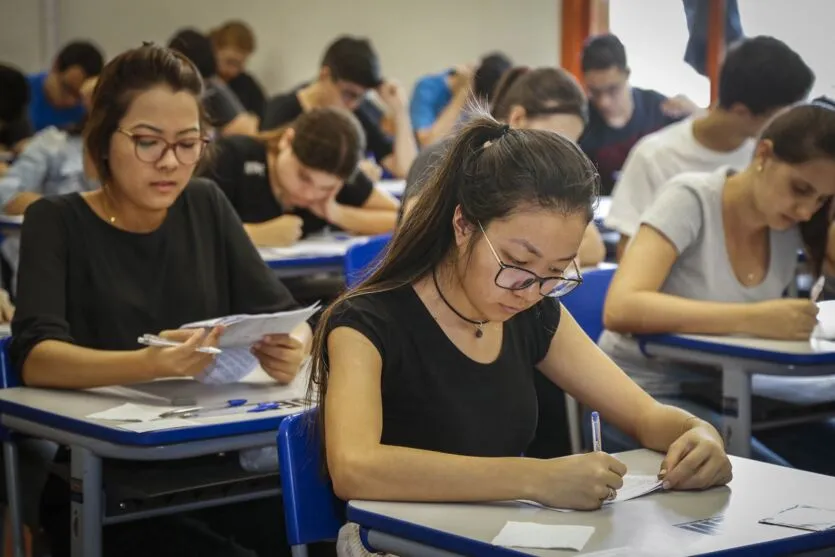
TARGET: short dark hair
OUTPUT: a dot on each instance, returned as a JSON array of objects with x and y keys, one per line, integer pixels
[
  {"x": 354, "y": 60},
  {"x": 540, "y": 91},
  {"x": 197, "y": 47},
  {"x": 326, "y": 139},
  {"x": 129, "y": 74},
  {"x": 763, "y": 74},
  {"x": 83, "y": 54},
  {"x": 602, "y": 52},
  {"x": 489, "y": 72},
  {"x": 14, "y": 94}
]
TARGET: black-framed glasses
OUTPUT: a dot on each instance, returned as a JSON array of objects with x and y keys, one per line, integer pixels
[
  {"x": 151, "y": 148},
  {"x": 510, "y": 277}
]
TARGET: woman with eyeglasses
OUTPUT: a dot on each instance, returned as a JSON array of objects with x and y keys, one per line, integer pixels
[
  {"x": 441, "y": 341},
  {"x": 151, "y": 250}
]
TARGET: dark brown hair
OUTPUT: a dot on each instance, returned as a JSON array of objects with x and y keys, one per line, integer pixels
[
  {"x": 327, "y": 139},
  {"x": 800, "y": 134},
  {"x": 234, "y": 34},
  {"x": 122, "y": 79},
  {"x": 540, "y": 92},
  {"x": 490, "y": 171}
]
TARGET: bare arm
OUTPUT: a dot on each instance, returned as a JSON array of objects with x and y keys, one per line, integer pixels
[
  {"x": 635, "y": 305},
  {"x": 377, "y": 216},
  {"x": 446, "y": 120},
  {"x": 405, "y": 148},
  {"x": 621, "y": 248},
  {"x": 61, "y": 365},
  {"x": 17, "y": 205},
  {"x": 362, "y": 468},
  {"x": 577, "y": 365},
  {"x": 243, "y": 124},
  {"x": 592, "y": 250}
]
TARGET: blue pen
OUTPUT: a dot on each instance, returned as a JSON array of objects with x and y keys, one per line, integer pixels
[{"x": 596, "y": 437}]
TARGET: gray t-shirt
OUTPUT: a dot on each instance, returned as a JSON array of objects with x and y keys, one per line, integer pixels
[{"x": 688, "y": 212}]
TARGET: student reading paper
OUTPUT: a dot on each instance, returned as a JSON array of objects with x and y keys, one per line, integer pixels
[
  {"x": 714, "y": 255},
  {"x": 298, "y": 179},
  {"x": 441, "y": 341},
  {"x": 150, "y": 251}
]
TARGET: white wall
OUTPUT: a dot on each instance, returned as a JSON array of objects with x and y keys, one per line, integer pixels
[{"x": 413, "y": 37}]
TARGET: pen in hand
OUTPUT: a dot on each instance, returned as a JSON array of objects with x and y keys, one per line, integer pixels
[
  {"x": 153, "y": 340},
  {"x": 596, "y": 437}
]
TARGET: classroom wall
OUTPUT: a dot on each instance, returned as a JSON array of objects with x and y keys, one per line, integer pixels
[{"x": 412, "y": 37}]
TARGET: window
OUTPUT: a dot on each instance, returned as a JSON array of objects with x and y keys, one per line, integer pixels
[{"x": 654, "y": 33}]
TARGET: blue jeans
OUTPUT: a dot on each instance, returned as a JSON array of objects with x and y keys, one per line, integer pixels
[{"x": 809, "y": 446}]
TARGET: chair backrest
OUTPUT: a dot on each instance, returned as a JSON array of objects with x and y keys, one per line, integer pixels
[
  {"x": 586, "y": 302},
  {"x": 312, "y": 512},
  {"x": 8, "y": 376},
  {"x": 360, "y": 257}
]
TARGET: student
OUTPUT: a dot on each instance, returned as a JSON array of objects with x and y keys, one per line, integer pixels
[
  {"x": 297, "y": 180},
  {"x": 225, "y": 112},
  {"x": 349, "y": 70},
  {"x": 151, "y": 250},
  {"x": 56, "y": 94},
  {"x": 14, "y": 124},
  {"x": 620, "y": 114},
  {"x": 713, "y": 255},
  {"x": 52, "y": 163},
  {"x": 234, "y": 43},
  {"x": 541, "y": 99},
  {"x": 439, "y": 100},
  {"x": 759, "y": 76},
  {"x": 441, "y": 341}
]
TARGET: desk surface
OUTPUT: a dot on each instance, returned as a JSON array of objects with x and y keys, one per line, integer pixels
[
  {"x": 813, "y": 352},
  {"x": 68, "y": 410},
  {"x": 318, "y": 252},
  {"x": 648, "y": 523},
  {"x": 393, "y": 187}
]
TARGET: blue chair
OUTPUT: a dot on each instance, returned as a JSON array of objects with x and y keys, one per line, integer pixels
[
  {"x": 312, "y": 512},
  {"x": 360, "y": 258},
  {"x": 8, "y": 379},
  {"x": 585, "y": 304}
]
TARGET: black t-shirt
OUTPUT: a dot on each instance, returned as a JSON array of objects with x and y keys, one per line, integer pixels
[
  {"x": 436, "y": 398},
  {"x": 15, "y": 131},
  {"x": 249, "y": 92},
  {"x": 239, "y": 167},
  {"x": 222, "y": 106},
  {"x": 84, "y": 281},
  {"x": 283, "y": 109},
  {"x": 608, "y": 147}
]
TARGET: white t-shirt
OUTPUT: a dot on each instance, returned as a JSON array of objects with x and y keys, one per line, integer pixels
[{"x": 656, "y": 159}]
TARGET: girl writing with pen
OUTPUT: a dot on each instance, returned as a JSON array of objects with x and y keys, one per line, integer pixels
[
  {"x": 152, "y": 249},
  {"x": 714, "y": 255},
  {"x": 442, "y": 340}
]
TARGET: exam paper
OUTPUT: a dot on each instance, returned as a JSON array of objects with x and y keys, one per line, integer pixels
[
  {"x": 825, "y": 329},
  {"x": 240, "y": 333},
  {"x": 634, "y": 486},
  {"x": 141, "y": 417},
  {"x": 543, "y": 536}
]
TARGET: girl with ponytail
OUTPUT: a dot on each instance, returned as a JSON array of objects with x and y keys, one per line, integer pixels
[{"x": 424, "y": 374}]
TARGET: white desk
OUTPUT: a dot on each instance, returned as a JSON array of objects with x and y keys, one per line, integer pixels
[
  {"x": 393, "y": 187},
  {"x": 648, "y": 523},
  {"x": 739, "y": 358},
  {"x": 61, "y": 416},
  {"x": 316, "y": 254}
]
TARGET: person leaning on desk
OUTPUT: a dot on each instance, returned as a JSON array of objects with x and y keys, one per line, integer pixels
[
  {"x": 153, "y": 249},
  {"x": 441, "y": 341},
  {"x": 301, "y": 178}
]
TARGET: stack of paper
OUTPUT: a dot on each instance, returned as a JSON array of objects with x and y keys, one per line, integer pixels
[
  {"x": 543, "y": 536},
  {"x": 240, "y": 333}
]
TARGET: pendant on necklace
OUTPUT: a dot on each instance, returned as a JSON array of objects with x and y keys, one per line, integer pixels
[{"x": 479, "y": 330}]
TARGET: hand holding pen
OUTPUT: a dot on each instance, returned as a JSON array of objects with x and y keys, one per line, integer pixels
[{"x": 193, "y": 350}]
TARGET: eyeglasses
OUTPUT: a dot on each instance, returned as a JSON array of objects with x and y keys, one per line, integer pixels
[
  {"x": 517, "y": 278},
  {"x": 608, "y": 91},
  {"x": 151, "y": 148}
]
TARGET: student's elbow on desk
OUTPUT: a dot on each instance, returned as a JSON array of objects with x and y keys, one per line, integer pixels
[{"x": 348, "y": 469}]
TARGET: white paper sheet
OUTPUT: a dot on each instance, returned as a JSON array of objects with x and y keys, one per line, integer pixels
[
  {"x": 157, "y": 425},
  {"x": 240, "y": 333},
  {"x": 131, "y": 412},
  {"x": 804, "y": 517},
  {"x": 825, "y": 329},
  {"x": 634, "y": 485},
  {"x": 543, "y": 536}
]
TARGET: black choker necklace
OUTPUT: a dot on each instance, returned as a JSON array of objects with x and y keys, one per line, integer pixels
[{"x": 479, "y": 325}]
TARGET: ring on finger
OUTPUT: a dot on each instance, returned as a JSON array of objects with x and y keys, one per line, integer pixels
[{"x": 611, "y": 496}]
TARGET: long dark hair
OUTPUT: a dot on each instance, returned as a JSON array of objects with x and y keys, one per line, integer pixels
[
  {"x": 490, "y": 171},
  {"x": 800, "y": 134}
]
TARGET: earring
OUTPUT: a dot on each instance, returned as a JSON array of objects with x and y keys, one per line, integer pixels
[{"x": 760, "y": 168}]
